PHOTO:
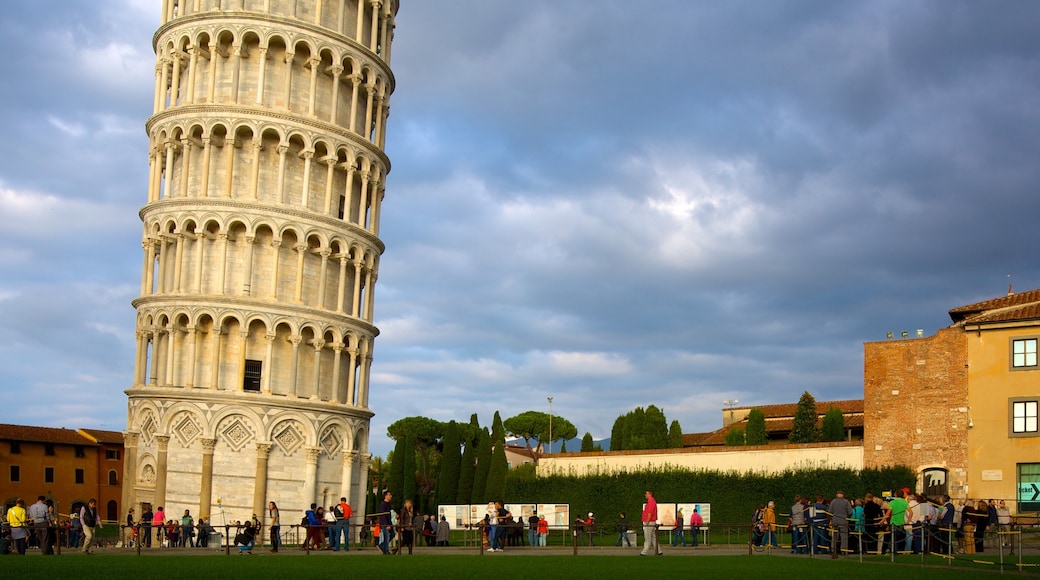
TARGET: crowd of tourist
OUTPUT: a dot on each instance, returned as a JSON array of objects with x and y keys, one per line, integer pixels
[{"x": 904, "y": 522}]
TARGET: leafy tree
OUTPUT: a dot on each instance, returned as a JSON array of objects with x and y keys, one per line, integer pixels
[
  {"x": 587, "y": 444},
  {"x": 804, "y": 429},
  {"x": 735, "y": 437},
  {"x": 480, "y": 476},
  {"x": 756, "y": 428},
  {"x": 675, "y": 440},
  {"x": 428, "y": 434},
  {"x": 563, "y": 447},
  {"x": 833, "y": 425},
  {"x": 467, "y": 469},
  {"x": 451, "y": 464},
  {"x": 534, "y": 426}
]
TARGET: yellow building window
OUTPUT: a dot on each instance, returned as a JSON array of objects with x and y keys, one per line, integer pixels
[
  {"x": 1023, "y": 353},
  {"x": 1023, "y": 417}
]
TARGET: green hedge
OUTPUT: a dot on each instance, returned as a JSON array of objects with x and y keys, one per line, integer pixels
[{"x": 733, "y": 496}]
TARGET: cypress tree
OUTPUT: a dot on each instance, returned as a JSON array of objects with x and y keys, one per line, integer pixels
[
  {"x": 675, "y": 435},
  {"x": 756, "y": 428},
  {"x": 496, "y": 486},
  {"x": 480, "y": 476},
  {"x": 587, "y": 444},
  {"x": 833, "y": 425},
  {"x": 397, "y": 461},
  {"x": 804, "y": 429},
  {"x": 735, "y": 437},
  {"x": 618, "y": 433},
  {"x": 656, "y": 429},
  {"x": 409, "y": 486},
  {"x": 467, "y": 467},
  {"x": 451, "y": 463}
]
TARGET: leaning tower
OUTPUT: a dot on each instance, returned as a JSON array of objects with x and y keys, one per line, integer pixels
[{"x": 261, "y": 252}]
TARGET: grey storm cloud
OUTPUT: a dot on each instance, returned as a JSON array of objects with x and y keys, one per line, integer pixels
[{"x": 611, "y": 203}]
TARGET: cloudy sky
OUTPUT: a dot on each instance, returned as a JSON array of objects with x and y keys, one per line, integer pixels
[{"x": 608, "y": 202}]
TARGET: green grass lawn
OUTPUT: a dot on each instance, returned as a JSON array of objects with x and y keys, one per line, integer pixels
[{"x": 174, "y": 564}]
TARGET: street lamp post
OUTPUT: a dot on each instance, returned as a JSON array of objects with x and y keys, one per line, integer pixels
[{"x": 550, "y": 425}]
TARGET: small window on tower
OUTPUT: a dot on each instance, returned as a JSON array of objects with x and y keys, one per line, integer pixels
[{"x": 254, "y": 368}]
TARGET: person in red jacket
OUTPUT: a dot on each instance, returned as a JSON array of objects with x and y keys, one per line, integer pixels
[{"x": 650, "y": 525}]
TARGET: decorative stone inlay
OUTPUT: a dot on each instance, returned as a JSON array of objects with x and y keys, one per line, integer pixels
[
  {"x": 236, "y": 434},
  {"x": 289, "y": 439},
  {"x": 148, "y": 430},
  {"x": 331, "y": 441},
  {"x": 186, "y": 429}
]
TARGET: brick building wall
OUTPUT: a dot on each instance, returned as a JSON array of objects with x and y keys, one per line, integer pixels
[{"x": 915, "y": 399}]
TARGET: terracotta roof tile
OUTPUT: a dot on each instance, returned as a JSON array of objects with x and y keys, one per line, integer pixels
[
  {"x": 1011, "y": 303},
  {"x": 111, "y": 437},
  {"x": 42, "y": 435},
  {"x": 788, "y": 409}
]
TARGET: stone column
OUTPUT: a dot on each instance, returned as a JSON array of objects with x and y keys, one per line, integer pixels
[
  {"x": 160, "y": 470},
  {"x": 294, "y": 365},
  {"x": 207, "y": 155},
  {"x": 348, "y": 191},
  {"x": 359, "y": 499},
  {"x": 330, "y": 172},
  {"x": 363, "y": 200},
  {"x": 289, "y": 58},
  {"x": 189, "y": 355},
  {"x": 171, "y": 148},
  {"x": 346, "y": 487},
  {"x": 218, "y": 331},
  {"x": 263, "y": 451},
  {"x": 338, "y": 394},
  {"x": 316, "y": 375},
  {"x": 355, "y": 82},
  {"x": 276, "y": 248},
  {"x": 129, "y": 495},
  {"x": 171, "y": 333},
  {"x": 352, "y": 379},
  {"x": 305, "y": 195},
  {"x": 282, "y": 150},
  {"x": 148, "y": 267},
  {"x": 373, "y": 36},
  {"x": 313, "y": 97},
  {"x": 193, "y": 63},
  {"x": 141, "y": 346},
  {"x": 356, "y": 304},
  {"x": 223, "y": 262},
  {"x": 200, "y": 248},
  {"x": 370, "y": 91},
  {"x": 153, "y": 377},
  {"x": 242, "y": 361},
  {"x": 300, "y": 249},
  {"x": 325, "y": 253},
  {"x": 178, "y": 256},
  {"x": 341, "y": 290},
  {"x": 186, "y": 147},
  {"x": 265, "y": 387},
  {"x": 310, "y": 481},
  {"x": 229, "y": 165},
  {"x": 247, "y": 283},
  {"x": 260, "y": 76},
  {"x": 206, "y": 486},
  {"x": 255, "y": 184},
  {"x": 337, "y": 70}
]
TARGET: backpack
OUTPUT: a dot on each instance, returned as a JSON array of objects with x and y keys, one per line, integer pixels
[{"x": 337, "y": 511}]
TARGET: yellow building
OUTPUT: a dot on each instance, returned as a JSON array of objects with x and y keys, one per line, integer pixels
[{"x": 1003, "y": 396}]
